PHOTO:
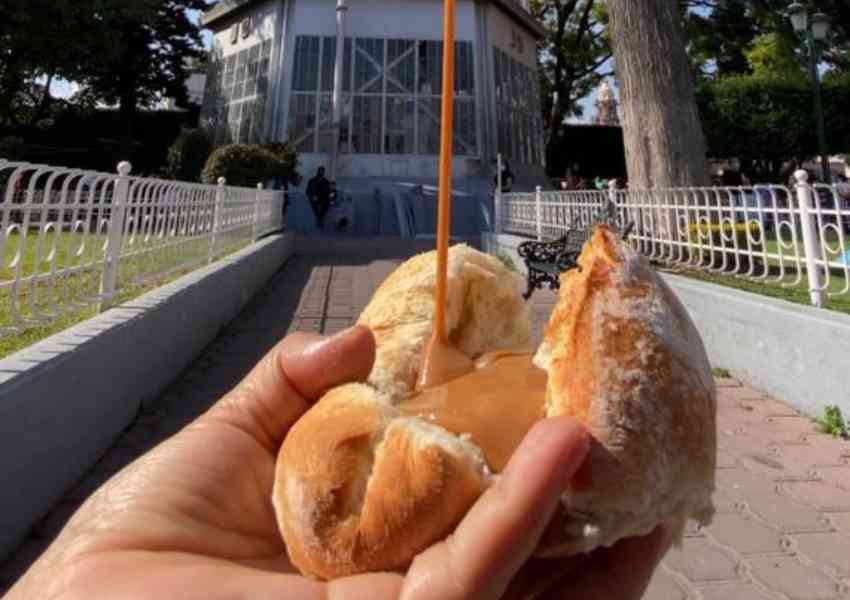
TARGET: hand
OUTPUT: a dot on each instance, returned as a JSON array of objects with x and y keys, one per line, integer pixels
[{"x": 193, "y": 518}]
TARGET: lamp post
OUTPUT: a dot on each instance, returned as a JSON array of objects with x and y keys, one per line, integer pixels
[{"x": 814, "y": 31}]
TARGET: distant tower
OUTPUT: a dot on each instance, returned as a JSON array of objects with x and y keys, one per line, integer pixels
[{"x": 606, "y": 107}]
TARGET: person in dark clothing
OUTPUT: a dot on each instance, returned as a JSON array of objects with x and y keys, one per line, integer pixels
[{"x": 319, "y": 195}]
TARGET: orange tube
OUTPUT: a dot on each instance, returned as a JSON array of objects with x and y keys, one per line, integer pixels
[{"x": 445, "y": 197}]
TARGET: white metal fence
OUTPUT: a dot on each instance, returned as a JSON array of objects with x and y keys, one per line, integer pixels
[
  {"x": 795, "y": 238},
  {"x": 73, "y": 239}
]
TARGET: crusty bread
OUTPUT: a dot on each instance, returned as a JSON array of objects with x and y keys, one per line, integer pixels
[
  {"x": 623, "y": 356},
  {"x": 360, "y": 487}
]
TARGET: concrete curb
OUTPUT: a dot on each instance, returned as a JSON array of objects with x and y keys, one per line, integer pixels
[
  {"x": 65, "y": 400},
  {"x": 794, "y": 352}
]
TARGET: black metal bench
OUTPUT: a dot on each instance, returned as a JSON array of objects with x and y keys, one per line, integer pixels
[{"x": 547, "y": 261}]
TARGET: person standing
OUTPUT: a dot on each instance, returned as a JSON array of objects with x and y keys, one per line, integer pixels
[{"x": 319, "y": 195}]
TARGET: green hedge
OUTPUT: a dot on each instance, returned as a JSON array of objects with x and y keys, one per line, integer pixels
[
  {"x": 247, "y": 165},
  {"x": 188, "y": 155}
]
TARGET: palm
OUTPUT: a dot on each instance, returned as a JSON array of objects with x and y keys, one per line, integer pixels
[{"x": 194, "y": 518}]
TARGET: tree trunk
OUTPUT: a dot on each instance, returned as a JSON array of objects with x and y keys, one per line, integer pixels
[{"x": 665, "y": 145}]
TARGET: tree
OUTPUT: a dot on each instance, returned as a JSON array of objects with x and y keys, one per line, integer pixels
[
  {"x": 572, "y": 56},
  {"x": 773, "y": 55},
  {"x": 722, "y": 31},
  {"x": 39, "y": 42},
  {"x": 766, "y": 122},
  {"x": 665, "y": 146},
  {"x": 140, "y": 51}
]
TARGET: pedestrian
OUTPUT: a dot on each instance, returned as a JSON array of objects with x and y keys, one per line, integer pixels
[{"x": 319, "y": 195}]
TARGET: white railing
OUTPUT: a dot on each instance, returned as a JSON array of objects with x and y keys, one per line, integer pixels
[
  {"x": 775, "y": 234},
  {"x": 73, "y": 239}
]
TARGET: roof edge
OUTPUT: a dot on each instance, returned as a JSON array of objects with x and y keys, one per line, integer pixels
[
  {"x": 226, "y": 8},
  {"x": 523, "y": 16}
]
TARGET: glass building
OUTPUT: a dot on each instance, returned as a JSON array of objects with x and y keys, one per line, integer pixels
[{"x": 271, "y": 77}]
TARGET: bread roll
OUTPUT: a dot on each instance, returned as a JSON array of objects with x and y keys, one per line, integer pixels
[{"x": 361, "y": 485}]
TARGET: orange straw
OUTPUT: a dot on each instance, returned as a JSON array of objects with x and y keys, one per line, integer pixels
[{"x": 446, "y": 137}]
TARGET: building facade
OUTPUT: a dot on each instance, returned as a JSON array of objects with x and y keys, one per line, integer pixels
[{"x": 272, "y": 78}]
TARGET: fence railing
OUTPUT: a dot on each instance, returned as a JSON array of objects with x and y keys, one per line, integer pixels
[
  {"x": 789, "y": 237},
  {"x": 73, "y": 239}
]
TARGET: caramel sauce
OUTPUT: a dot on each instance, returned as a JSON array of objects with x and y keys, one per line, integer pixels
[
  {"x": 495, "y": 403},
  {"x": 497, "y": 400}
]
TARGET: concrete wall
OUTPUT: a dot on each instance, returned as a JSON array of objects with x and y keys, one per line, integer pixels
[
  {"x": 796, "y": 353},
  {"x": 65, "y": 400}
]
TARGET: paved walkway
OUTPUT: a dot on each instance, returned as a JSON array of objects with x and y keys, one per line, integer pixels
[{"x": 783, "y": 524}]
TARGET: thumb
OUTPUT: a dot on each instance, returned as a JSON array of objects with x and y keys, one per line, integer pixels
[
  {"x": 504, "y": 527},
  {"x": 293, "y": 375}
]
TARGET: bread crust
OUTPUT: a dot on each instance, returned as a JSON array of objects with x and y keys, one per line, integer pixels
[
  {"x": 623, "y": 356},
  {"x": 360, "y": 487}
]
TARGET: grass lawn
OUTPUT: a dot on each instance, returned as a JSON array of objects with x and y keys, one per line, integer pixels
[{"x": 40, "y": 304}]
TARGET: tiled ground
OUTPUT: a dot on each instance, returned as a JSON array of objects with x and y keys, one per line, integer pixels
[{"x": 783, "y": 524}]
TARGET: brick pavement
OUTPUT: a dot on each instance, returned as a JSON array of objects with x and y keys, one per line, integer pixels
[{"x": 783, "y": 524}]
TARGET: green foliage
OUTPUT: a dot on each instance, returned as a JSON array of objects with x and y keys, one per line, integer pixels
[
  {"x": 188, "y": 155},
  {"x": 726, "y": 235},
  {"x": 774, "y": 55},
  {"x": 767, "y": 121},
  {"x": 833, "y": 422},
  {"x": 721, "y": 373},
  {"x": 12, "y": 148},
  {"x": 721, "y": 32},
  {"x": 246, "y": 165}
]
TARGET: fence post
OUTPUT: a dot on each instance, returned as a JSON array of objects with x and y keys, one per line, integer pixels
[
  {"x": 612, "y": 197},
  {"x": 257, "y": 199},
  {"x": 497, "y": 198},
  {"x": 115, "y": 236},
  {"x": 805, "y": 199},
  {"x": 538, "y": 200},
  {"x": 217, "y": 209}
]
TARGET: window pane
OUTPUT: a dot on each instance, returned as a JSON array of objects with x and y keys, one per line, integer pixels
[
  {"x": 401, "y": 75},
  {"x": 305, "y": 71},
  {"x": 328, "y": 63},
  {"x": 345, "y": 125},
  {"x": 428, "y": 114},
  {"x": 369, "y": 65},
  {"x": 400, "y": 125},
  {"x": 326, "y": 123},
  {"x": 366, "y": 129},
  {"x": 430, "y": 67},
  {"x": 464, "y": 69},
  {"x": 302, "y": 121},
  {"x": 348, "y": 72},
  {"x": 465, "y": 129}
]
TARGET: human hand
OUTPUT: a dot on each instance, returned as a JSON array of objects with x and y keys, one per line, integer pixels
[{"x": 194, "y": 519}]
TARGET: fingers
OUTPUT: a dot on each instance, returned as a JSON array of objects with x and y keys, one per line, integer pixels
[
  {"x": 314, "y": 365},
  {"x": 292, "y": 376},
  {"x": 504, "y": 527},
  {"x": 621, "y": 572}
]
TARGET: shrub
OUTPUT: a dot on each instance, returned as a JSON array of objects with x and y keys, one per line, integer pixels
[
  {"x": 724, "y": 239},
  {"x": 725, "y": 235},
  {"x": 247, "y": 165},
  {"x": 833, "y": 423},
  {"x": 188, "y": 155}
]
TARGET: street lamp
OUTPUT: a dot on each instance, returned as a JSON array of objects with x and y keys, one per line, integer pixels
[{"x": 814, "y": 31}]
